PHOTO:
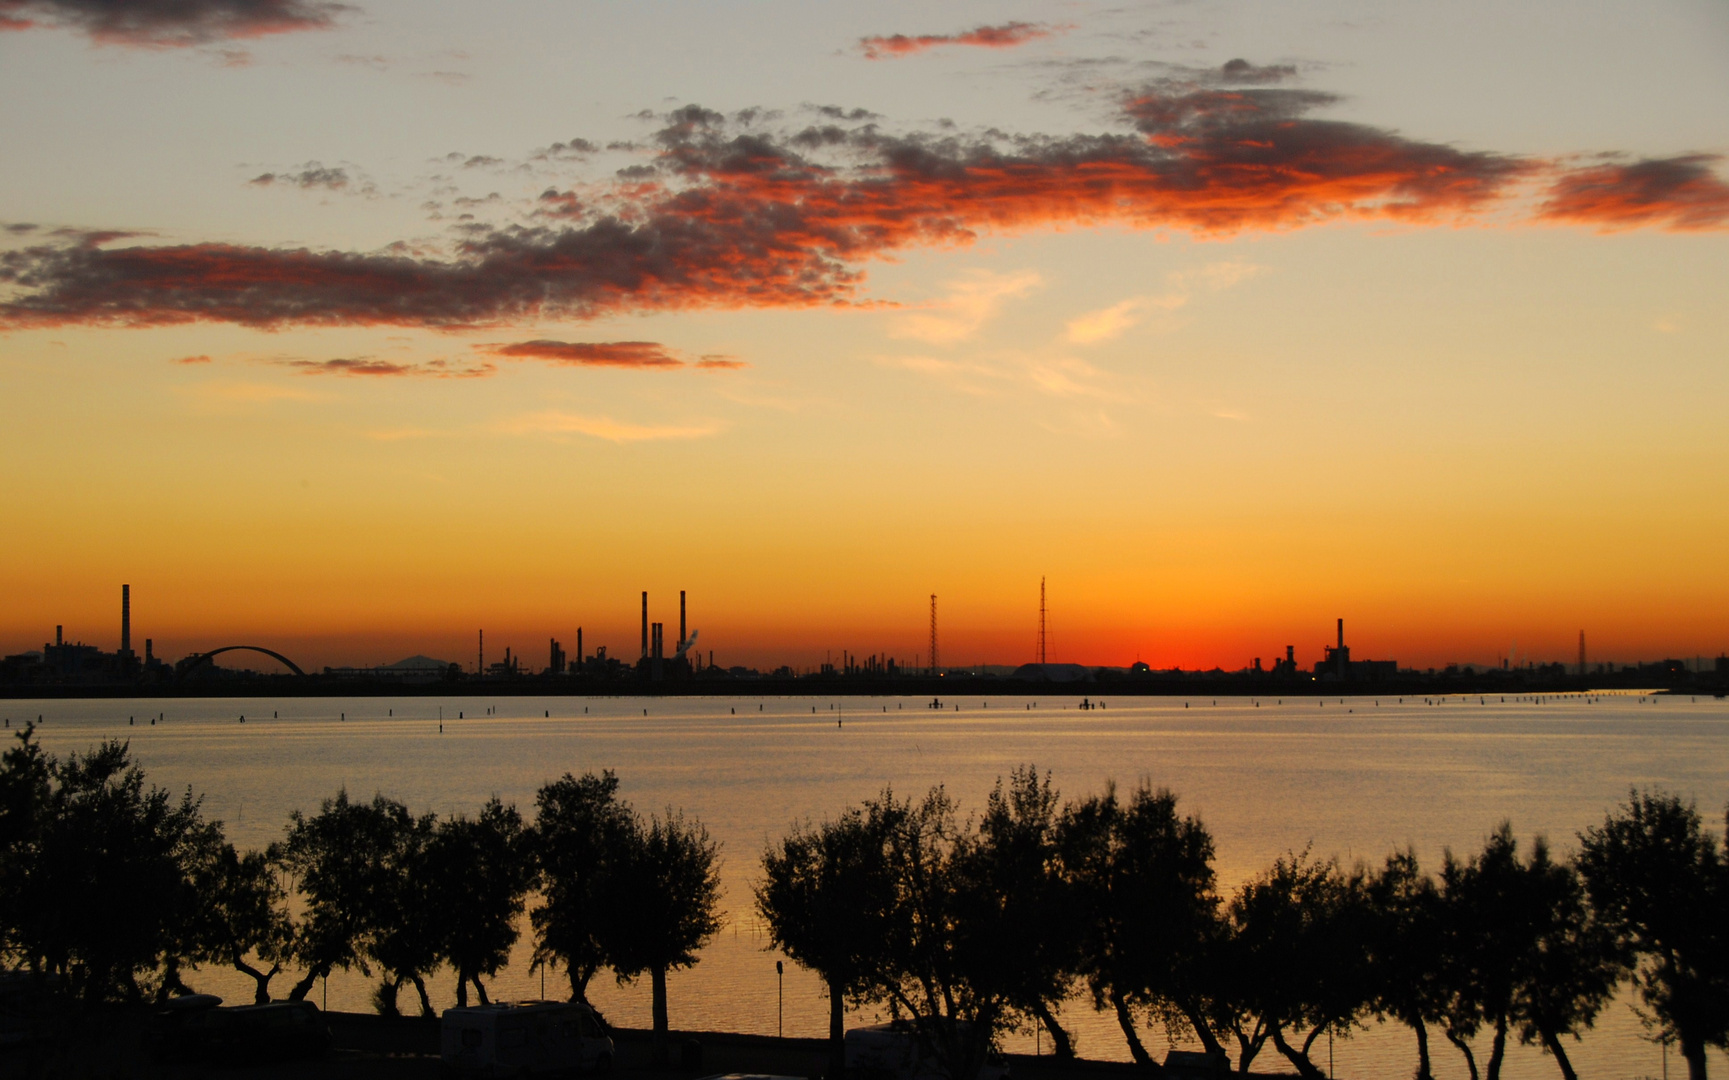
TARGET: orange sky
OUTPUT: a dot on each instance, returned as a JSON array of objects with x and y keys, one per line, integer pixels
[{"x": 1225, "y": 348}]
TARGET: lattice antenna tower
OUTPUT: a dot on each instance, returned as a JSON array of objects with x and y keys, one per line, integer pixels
[
  {"x": 933, "y": 633},
  {"x": 1041, "y": 620}
]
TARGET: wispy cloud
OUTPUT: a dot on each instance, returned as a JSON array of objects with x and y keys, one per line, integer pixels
[
  {"x": 554, "y": 422},
  {"x": 1003, "y": 36},
  {"x": 970, "y": 303},
  {"x": 621, "y": 354},
  {"x": 1108, "y": 323},
  {"x": 171, "y": 23},
  {"x": 374, "y": 366}
]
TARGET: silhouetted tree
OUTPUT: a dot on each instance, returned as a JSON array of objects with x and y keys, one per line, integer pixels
[
  {"x": 1019, "y": 922},
  {"x": 1297, "y": 956},
  {"x": 580, "y": 825},
  {"x": 346, "y": 860},
  {"x": 96, "y": 873},
  {"x": 826, "y": 894},
  {"x": 1523, "y": 950},
  {"x": 1405, "y": 945},
  {"x": 662, "y": 892},
  {"x": 1662, "y": 885},
  {"x": 238, "y": 916},
  {"x": 480, "y": 872},
  {"x": 406, "y": 935},
  {"x": 933, "y": 971},
  {"x": 1143, "y": 886}
]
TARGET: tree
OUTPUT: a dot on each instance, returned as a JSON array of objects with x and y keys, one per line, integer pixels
[
  {"x": 1521, "y": 950},
  {"x": 405, "y": 936},
  {"x": 1019, "y": 920},
  {"x": 663, "y": 888},
  {"x": 95, "y": 874},
  {"x": 1405, "y": 948},
  {"x": 826, "y": 894},
  {"x": 1298, "y": 956},
  {"x": 240, "y": 919},
  {"x": 1143, "y": 886},
  {"x": 580, "y": 824},
  {"x": 1662, "y": 886},
  {"x": 480, "y": 873},
  {"x": 933, "y": 969},
  {"x": 346, "y": 859}
]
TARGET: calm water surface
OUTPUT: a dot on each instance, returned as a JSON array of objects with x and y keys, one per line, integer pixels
[{"x": 1353, "y": 778}]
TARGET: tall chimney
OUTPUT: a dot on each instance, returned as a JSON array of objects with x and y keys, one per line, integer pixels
[
  {"x": 645, "y": 624},
  {"x": 59, "y": 635},
  {"x": 1341, "y": 633},
  {"x": 681, "y": 618},
  {"x": 125, "y": 620},
  {"x": 579, "y": 653},
  {"x": 149, "y": 650}
]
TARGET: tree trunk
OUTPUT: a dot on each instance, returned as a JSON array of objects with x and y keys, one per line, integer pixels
[
  {"x": 304, "y": 986},
  {"x": 461, "y": 989},
  {"x": 1498, "y": 1049},
  {"x": 1203, "y": 1030},
  {"x": 480, "y": 989},
  {"x": 1424, "y": 1066},
  {"x": 425, "y": 1001},
  {"x": 1464, "y": 1048},
  {"x": 171, "y": 982},
  {"x": 1061, "y": 1044},
  {"x": 384, "y": 998},
  {"x": 1554, "y": 1044},
  {"x": 662, "y": 1054},
  {"x": 1693, "y": 1052},
  {"x": 1126, "y": 1021},
  {"x": 1305, "y": 1068},
  {"x": 578, "y": 984},
  {"x": 260, "y": 993},
  {"x": 836, "y": 1031}
]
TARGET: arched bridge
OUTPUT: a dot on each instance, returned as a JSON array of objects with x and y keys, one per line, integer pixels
[{"x": 192, "y": 663}]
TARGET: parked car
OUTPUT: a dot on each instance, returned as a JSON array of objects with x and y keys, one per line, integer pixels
[
  {"x": 533, "y": 1038},
  {"x": 893, "y": 1051},
  {"x": 198, "y": 1027}
]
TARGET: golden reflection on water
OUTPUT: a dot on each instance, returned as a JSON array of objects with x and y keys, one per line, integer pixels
[{"x": 1353, "y": 778}]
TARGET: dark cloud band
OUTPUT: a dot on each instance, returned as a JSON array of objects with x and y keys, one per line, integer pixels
[{"x": 171, "y": 22}]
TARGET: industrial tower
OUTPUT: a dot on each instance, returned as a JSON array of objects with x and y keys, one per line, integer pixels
[
  {"x": 1041, "y": 621},
  {"x": 933, "y": 633}
]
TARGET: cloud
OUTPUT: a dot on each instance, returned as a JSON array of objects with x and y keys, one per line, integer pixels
[
  {"x": 372, "y": 366},
  {"x": 720, "y": 363},
  {"x": 1243, "y": 73},
  {"x": 1005, "y": 36},
  {"x": 171, "y": 23},
  {"x": 721, "y": 217},
  {"x": 553, "y": 422},
  {"x": 625, "y": 354},
  {"x": 193, "y": 360},
  {"x": 970, "y": 304},
  {"x": 1108, "y": 323},
  {"x": 311, "y": 175},
  {"x": 1678, "y": 193}
]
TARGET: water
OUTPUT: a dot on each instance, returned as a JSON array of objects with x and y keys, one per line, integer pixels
[{"x": 1353, "y": 778}]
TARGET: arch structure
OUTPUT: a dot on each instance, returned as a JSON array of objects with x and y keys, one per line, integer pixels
[{"x": 193, "y": 663}]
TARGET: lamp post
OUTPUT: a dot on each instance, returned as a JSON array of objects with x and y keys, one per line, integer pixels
[{"x": 780, "y": 999}]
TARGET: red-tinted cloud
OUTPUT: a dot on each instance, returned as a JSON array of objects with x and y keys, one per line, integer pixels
[
  {"x": 159, "y": 23},
  {"x": 627, "y": 354},
  {"x": 1681, "y": 193},
  {"x": 723, "y": 218},
  {"x": 200, "y": 359},
  {"x": 371, "y": 365},
  {"x": 1006, "y": 36}
]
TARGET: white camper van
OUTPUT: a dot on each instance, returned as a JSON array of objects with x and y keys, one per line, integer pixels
[
  {"x": 527, "y": 1038},
  {"x": 892, "y": 1052}
]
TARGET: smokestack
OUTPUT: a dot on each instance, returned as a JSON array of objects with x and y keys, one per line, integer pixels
[
  {"x": 1341, "y": 633},
  {"x": 681, "y": 637},
  {"x": 149, "y": 650},
  {"x": 125, "y": 620},
  {"x": 579, "y": 654},
  {"x": 645, "y": 624},
  {"x": 59, "y": 636},
  {"x": 1290, "y": 654}
]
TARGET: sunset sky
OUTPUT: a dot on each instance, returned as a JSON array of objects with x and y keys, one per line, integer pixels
[{"x": 350, "y": 329}]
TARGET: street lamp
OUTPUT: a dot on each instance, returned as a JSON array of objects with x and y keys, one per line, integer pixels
[{"x": 780, "y": 999}]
